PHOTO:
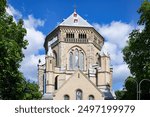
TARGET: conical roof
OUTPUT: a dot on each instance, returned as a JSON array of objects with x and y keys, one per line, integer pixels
[{"x": 75, "y": 20}]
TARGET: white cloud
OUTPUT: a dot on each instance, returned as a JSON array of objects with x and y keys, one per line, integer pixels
[
  {"x": 29, "y": 66},
  {"x": 31, "y": 22},
  {"x": 15, "y": 13},
  {"x": 35, "y": 39},
  {"x": 120, "y": 72},
  {"x": 116, "y": 34}
]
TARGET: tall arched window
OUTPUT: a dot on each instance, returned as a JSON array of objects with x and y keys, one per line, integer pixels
[
  {"x": 98, "y": 61},
  {"x": 76, "y": 60},
  {"x": 66, "y": 97},
  {"x": 56, "y": 82},
  {"x": 55, "y": 57},
  {"x": 71, "y": 61},
  {"x": 44, "y": 84},
  {"x": 91, "y": 97},
  {"x": 81, "y": 61},
  {"x": 78, "y": 94}
]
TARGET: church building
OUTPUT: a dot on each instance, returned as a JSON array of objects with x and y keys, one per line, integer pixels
[{"x": 75, "y": 66}]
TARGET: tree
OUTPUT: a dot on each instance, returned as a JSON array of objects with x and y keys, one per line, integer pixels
[
  {"x": 12, "y": 42},
  {"x": 32, "y": 91},
  {"x": 2, "y": 6},
  {"x": 137, "y": 53},
  {"x": 120, "y": 95}
]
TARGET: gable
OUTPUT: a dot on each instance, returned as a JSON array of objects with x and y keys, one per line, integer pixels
[{"x": 78, "y": 81}]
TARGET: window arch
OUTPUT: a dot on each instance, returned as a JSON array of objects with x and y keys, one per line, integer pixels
[
  {"x": 56, "y": 82},
  {"x": 44, "y": 84},
  {"x": 76, "y": 60},
  {"x": 82, "y": 36},
  {"x": 79, "y": 94},
  {"x": 56, "y": 59},
  {"x": 81, "y": 61},
  {"x": 69, "y": 35},
  {"x": 98, "y": 61},
  {"x": 66, "y": 97},
  {"x": 91, "y": 97},
  {"x": 71, "y": 61}
]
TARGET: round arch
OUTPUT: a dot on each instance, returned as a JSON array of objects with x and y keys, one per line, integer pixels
[{"x": 79, "y": 94}]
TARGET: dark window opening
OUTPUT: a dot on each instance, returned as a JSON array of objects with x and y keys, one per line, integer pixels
[
  {"x": 66, "y": 97},
  {"x": 56, "y": 82},
  {"x": 91, "y": 97},
  {"x": 82, "y": 36},
  {"x": 69, "y": 35}
]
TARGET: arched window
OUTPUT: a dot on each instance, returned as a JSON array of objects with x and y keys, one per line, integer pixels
[
  {"x": 85, "y": 36},
  {"x": 71, "y": 61},
  {"x": 76, "y": 60},
  {"x": 66, "y": 97},
  {"x": 91, "y": 97},
  {"x": 81, "y": 61},
  {"x": 55, "y": 57},
  {"x": 98, "y": 61},
  {"x": 78, "y": 94},
  {"x": 44, "y": 84},
  {"x": 69, "y": 35},
  {"x": 56, "y": 82},
  {"x": 82, "y": 36}
]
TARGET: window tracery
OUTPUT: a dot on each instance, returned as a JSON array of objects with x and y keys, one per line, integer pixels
[{"x": 76, "y": 59}]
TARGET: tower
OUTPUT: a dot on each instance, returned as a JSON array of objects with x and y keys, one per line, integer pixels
[
  {"x": 74, "y": 64},
  {"x": 49, "y": 59}
]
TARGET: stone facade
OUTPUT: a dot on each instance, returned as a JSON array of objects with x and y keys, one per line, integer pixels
[{"x": 75, "y": 66}]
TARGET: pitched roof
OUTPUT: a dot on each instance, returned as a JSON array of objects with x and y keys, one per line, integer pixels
[{"x": 75, "y": 20}]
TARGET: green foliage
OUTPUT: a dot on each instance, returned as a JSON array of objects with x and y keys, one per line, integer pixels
[
  {"x": 130, "y": 92},
  {"x": 120, "y": 95},
  {"x": 31, "y": 91},
  {"x": 137, "y": 55},
  {"x": 2, "y": 6},
  {"x": 144, "y": 10},
  {"x": 12, "y": 42}
]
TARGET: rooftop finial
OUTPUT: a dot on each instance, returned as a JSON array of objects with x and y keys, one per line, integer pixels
[{"x": 75, "y": 6}]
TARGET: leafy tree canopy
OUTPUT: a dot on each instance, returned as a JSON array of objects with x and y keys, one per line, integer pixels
[
  {"x": 12, "y": 42},
  {"x": 137, "y": 54}
]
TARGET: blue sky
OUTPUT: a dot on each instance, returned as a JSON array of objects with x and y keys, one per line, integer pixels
[
  {"x": 113, "y": 19},
  {"x": 100, "y": 11}
]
